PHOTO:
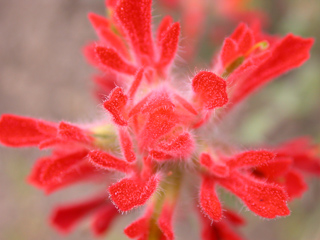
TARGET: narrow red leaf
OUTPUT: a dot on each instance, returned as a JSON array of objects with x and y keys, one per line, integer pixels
[
  {"x": 136, "y": 83},
  {"x": 210, "y": 90},
  {"x": 129, "y": 193},
  {"x": 209, "y": 201},
  {"x": 103, "y": 219},
  {"x": 126, "y": 145},
  {"x": 111, "y": 59},
  {"x": 58, "y": 165},
  {"x": 17, "y": 131},
  {"x": 115, "y": 104},
  {"x": 266, "y": 200},
  {"x": 165, "y": 221},
  {"x": 67, "y": 131},
  {"x": 64, "y": 218},
  {"x": 163, "y": 27},
  {"x": 251, "y": 158},
  {"x": 107, "y": 161},
  {"x": 228, "y": 52},
  {"x": 169, "y": 45},
  {"x": 135, "y": 19}
]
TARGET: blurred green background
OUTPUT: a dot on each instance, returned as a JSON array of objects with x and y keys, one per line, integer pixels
[{"x": 44, "y": 75}]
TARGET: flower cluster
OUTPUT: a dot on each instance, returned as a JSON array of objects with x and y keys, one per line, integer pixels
[{"x": 161, "y": 132}]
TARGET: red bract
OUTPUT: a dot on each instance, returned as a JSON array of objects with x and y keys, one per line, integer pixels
[{"x": 155, "y": 136}]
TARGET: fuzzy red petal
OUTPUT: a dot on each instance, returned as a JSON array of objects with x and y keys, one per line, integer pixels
[
  {"x": 107, "y": 161},
  {"x": 169, "y": 45},
  {"x": 17, "y": 131},
  {"x": 115, "y": 104},
  {"x": 180, "y": 147},
  {"x": 251, "y": 158},
  {"x": 209, "y": 201},
  {"x": 136, "y": 83},
  {"x": 126, "y": 145},
  {"x": 111, "y": 59},
  {"x": 64, "y": 218},
  {"x": 103, "y": 219},
  {"x": 210, "y": 90},
  {"x": 159, "y": 123},
  {"x": 266, "y": 200},
  {"x": 135, "y": 19},
  {"x": 68, "y": 131},
  {"x": 129, "y": 193}
]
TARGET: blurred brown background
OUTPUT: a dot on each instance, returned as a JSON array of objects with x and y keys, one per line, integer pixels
[{"x": 44, "y": 75}]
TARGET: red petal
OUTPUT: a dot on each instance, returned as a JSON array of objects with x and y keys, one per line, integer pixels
[
  {"x": 266, "y": 200},
  {"x": 165, "y": 221},
  {"x": 219, "y": 169},
  {"x": 180, "y": 147},
  {"x": 169, "y": 45},
  {"x": 107, "y": 161},
  {"x": 129, "y": 193},
  {"x": 135, "y": 18},
  {"x": 251, "y": 158},
  {"x": 64, "y": 218},
  {"x": 159, "y": 123},
  {"x": 70, "y": 132},
  {"x": 111, "y": 59},
  {"x": 103, "y": 219},
  {"x": 115, "y": 104},
  {"x": 136, "y": 83},
  {"x": 295, "y": 184},
  {"x": 210, "y": 89},
  {"x": 126, "y": 145},
  {"x": 16, "y": 131},
  {"x": 209, "y": 201}
]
